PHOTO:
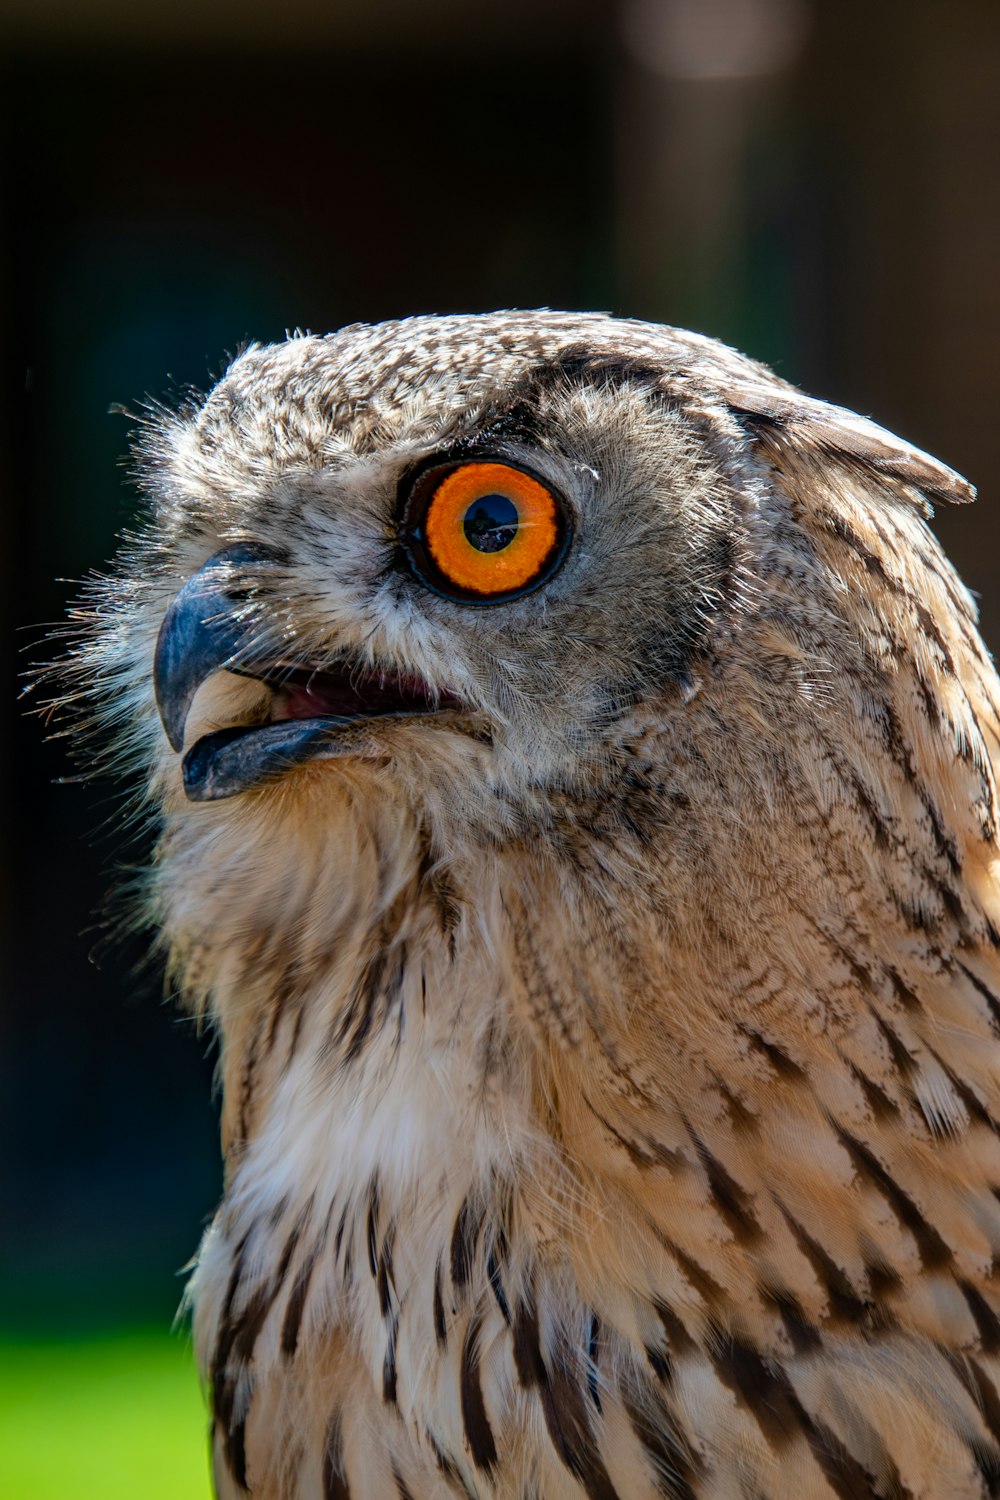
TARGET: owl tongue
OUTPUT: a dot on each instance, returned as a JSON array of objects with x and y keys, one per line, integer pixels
[{"x": 315, "y": 716}]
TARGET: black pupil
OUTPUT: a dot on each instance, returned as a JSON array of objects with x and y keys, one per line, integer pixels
[{"x": 490, "y": 523}]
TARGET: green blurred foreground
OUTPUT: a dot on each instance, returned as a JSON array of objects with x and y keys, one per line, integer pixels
[{"x": 114, "y": 1418}]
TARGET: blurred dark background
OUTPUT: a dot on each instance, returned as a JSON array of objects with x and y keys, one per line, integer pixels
[{"x": 814, "y": 182}]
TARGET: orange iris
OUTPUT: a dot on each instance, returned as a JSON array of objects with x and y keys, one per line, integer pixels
[{"x": 490, "y": 528}]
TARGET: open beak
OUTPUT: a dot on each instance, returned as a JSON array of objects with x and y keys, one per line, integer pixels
[{"x": 214, "y": 624}]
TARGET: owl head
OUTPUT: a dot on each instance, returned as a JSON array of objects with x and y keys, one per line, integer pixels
[{"x": 465, "y": 560}]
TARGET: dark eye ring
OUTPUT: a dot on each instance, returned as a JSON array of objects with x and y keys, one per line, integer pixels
[{"x": 483, "y": 530}]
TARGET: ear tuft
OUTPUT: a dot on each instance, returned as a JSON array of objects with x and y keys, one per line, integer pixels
[{"x": 777, "y": 419}]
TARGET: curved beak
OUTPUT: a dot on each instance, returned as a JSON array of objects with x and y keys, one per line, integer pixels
[
  {"x": 317, "y": 714},
  {"x": 203, "y": 631}
]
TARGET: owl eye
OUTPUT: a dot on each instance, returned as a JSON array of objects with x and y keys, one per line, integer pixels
[{"x": 482, "y": 532}]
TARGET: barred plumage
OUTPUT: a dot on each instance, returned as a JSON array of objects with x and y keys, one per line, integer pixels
[{"x": 611, "y": 1057}]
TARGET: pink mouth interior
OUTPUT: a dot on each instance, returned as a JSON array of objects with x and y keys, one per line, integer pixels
[{"x": 346, "y": 693}]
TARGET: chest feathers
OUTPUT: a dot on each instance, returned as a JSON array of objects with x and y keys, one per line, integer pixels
[{"x": 496, "y": 1224}]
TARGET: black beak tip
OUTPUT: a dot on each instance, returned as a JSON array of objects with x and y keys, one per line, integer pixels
[
  {"x": 200, "y": 634},
  {"x": 171, "y": 681}
]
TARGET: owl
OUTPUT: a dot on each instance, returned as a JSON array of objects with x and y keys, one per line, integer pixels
[{"x": 574, "y": 767}]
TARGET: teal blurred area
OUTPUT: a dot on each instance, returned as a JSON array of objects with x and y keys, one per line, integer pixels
[{"x": 813, "y": 181}]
